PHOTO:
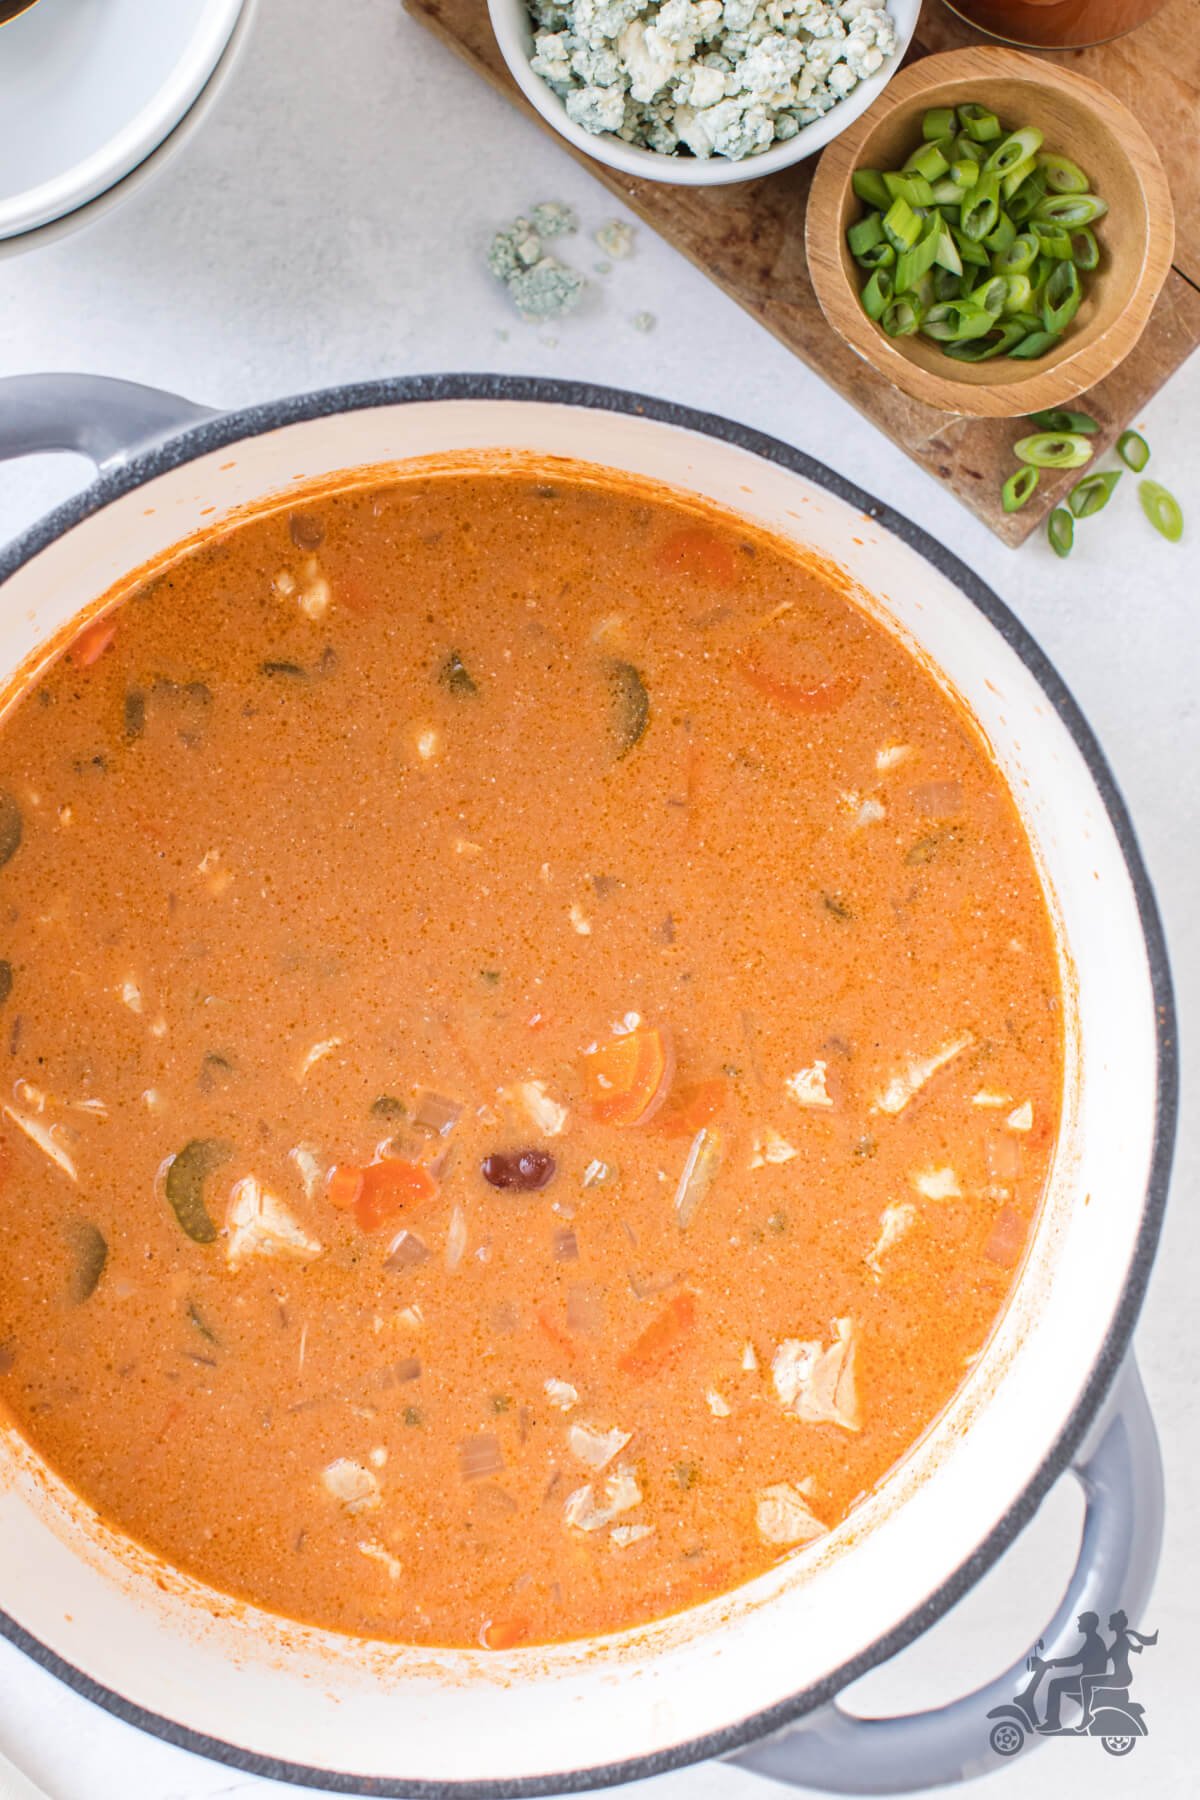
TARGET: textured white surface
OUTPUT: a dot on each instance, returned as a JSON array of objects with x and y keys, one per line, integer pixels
[{"x": 330, "y": 225}]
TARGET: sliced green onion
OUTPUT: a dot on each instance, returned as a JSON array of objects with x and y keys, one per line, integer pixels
[
  {"x": 946, "y": 193},
  {"x": 946, "y": 285},
  {"x": 903, "y": 316},
  {"x": 1069, "y": 210},
  {"x": 877, "y": 294},
  {"x": 1053, "y": 450},
  {"x": 981, "y": 209},
  {"x": 1018, "y": 257},
  {"x": 998, "y": 341},
  {"x": 1060, "y": 529},
  {"x": 1019, "y": 488},
  {"x": 868, "y": 186},
  {"x": 901, "y": 225},
  {"x": 1035, "y": 344},
  {"x": 1092, "y": 494},
  {"x": 991, "y": 294},
  {"x": 980, "y": 125},
  {"x": 1133, "y": 451},
  {"x": 1060, "y": 301},
  {"x": 1162, "y": 509},
  {"x": 953, "y": 321},
  {"x": 1004, "y": 234},
  {"x": 864, "y": 234},
  {"x": 911, "y": 264},
  {"x": 881, "y": 257},
  {"x": 913, "y": 188},
  {"x": 939, "y": 122},
  {"x": 1059, "y": 419},
  {"x": 929, "y": 161},
  {"x": 964, "y": 173},
  {"x": 1062, "y": 175},
  {"x": 946, "y": 254},
  {"x": 1028, "y": 321},
  {"x": 1085, "y": 251},
  {"x": 1017, "y": 147},
  {"x": 1016, "y": 178},
  {"x": 1052, "y": 240},
  {"x": 1022, "y": 203},
  {"x": 1017, "y": 294},
  {"x": 970, "y": 251}
]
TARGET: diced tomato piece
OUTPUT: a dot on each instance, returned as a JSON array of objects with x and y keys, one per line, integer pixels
[
  {"x": 92, "y": 642},
  {"x": 629, "y": 1077},
  {"x": 504, "y": 1634},
  {"x": 692, "y": 1108},
  {"x": 555, "y": 1333},
  {"x": 696, "y": 551},
  {"x": 799, "y": 696},
  {"x": 343, "y": 1187},
  {"x": 390, "y": 1188},
  {"x": 661, "y": 1337}
]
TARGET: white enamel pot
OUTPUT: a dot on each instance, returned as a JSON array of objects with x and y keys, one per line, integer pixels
[{"x": 755, "y": 1674}]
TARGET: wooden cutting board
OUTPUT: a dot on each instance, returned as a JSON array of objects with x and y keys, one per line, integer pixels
[{"x": 749, "y": 238}]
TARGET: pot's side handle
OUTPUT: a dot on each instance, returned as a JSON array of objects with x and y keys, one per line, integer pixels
[
  {"x": 1120, "y": 1472},
  {"x": 99, "y": 417}
]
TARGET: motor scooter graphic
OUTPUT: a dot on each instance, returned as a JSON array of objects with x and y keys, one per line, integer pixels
[{"x": 1100, "y": 1693}]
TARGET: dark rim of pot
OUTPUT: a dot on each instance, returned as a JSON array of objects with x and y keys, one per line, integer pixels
[{"x": 228, "y": 428}]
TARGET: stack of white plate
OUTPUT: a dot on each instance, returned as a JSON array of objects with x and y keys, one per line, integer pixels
[{"x": 95, "y": 95}]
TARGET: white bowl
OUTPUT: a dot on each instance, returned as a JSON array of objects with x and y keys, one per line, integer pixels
[{"x": 514, "y": 34}]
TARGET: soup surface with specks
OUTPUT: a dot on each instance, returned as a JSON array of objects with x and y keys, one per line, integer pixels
[{"x": 532, "y": 1048}]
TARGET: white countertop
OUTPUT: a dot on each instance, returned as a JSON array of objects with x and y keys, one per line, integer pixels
[{"x": 329, "y": 224}]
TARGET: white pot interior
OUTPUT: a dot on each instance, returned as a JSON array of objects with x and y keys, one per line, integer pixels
[{"x": 171, "y": 1647}]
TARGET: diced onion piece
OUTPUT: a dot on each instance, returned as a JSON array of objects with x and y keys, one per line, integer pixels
[
  {"x": 596, "y": 1448},
  {"x": 566, "y": 1246},
  {"x": 456, "y": 1238},
  {"x": 353, "y": 1485},
  {"x": 906, "y": 1086},
  {"x": 704, "y": 1158},
  {"x": 585, "y": 1310},
  {"x": 406, "y": 1251},
  {"x": 436, "y": 1114},
  {"x": 44, "y": 1137},
  {"x": 938, "y": 799},
  {"x": 817, "y": 1384},
  {"x": 596, "y": 1173},
  {"x": 807, "y": 1086},
  {"x": 480, "y": 1456},
  {"x": 783, "y": 1516},
  {"x": 561, "y": 1394}
]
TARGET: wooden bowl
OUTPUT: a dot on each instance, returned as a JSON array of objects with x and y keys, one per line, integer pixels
[{"x": 1079, "y": 119}]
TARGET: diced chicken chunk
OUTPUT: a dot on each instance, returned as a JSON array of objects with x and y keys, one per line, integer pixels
[
  {"x": 718, "y": 1406},
  {"x": 561, "y": 1394},
  {"x": 46, "y": 1139},
  {"x": 596, "y": 1448},
  {"x": 544, "y": 1114},
  {"x": 1020, "y": 1118},
  {"x": 989, "y": 1097},
  {"x": 891, "y": 756},
  {"x": 771, "y": 1147},
  {"x": 352, "y": 1485},
  {"x": 894, "y": 1221},
  {"x": 624, "y": 1535},
  {"x": 621, "y": 1494},
  {"x": 906, "y": 1086},
  {"x": 937, "y": 1184},
  {"x": 784, "y": 1516},
  {"x": 377, "y": 1553},
  {"x": 749, "y": 1357},
  {"x": 815, "y": 1383},
  {"x": 807, "y": 1086},
  {"x": 258, "y": 1224}
]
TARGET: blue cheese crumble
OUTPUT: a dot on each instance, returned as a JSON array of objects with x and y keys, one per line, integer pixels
[
  {"x": 710, "y": 77},
  {"x": 540, "y": 284}
]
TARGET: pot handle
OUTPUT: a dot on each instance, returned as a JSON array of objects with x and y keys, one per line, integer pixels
[
  {"x": 101, "y": 418},
  {"x": 1119, "y": 1468}
]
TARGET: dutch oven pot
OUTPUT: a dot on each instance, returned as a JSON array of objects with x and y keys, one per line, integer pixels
[{"x": 755, "y": 1674}]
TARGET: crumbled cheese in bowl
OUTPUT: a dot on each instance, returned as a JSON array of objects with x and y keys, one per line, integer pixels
[{"x": 706, "y": 78}]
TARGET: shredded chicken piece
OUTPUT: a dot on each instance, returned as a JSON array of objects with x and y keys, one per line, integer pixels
[
  {"x": 718, "y": 1406},
  {"x": 807, "y": 1086},
  {"x": 131, "y": 995},
  {"x": 44, "y": 1137},
  {"x": 352, "y": 1485},
  {"x": 310, "y": 1168},
  {"x": 783, "y": 1516},
  {"x": 891, "y": 756},
  {"x": 988, "y": 1097},
  {"x": 894, "y": 1221},
  {"x": 862, "y": 811},
  {"x": 749, "y": 1357},
  {"x": 316, "y": 593},
  {"x": 621, "y": 1494},
  {"x": 1020, "y": 1118},
  {"x": 937, "y": 1184},
  {"x": 411, "y": 1317},
  {"x": 259, "y": 1224},
  {"x": 377, "y": 1553},
  {"x": 561, "y": 1394},
  {"x": 903, "y": 1088},
  {"x": 817, "y": 1384},
  {"x": 596, "y": 1448},
  {"x": 326, "y": 1047},
  {"x": 545, "y": 1114},
  {"x": 771, "y": 1147},
  {"x": 624, "y": 1535},
  {"x": 579, "y": 921},
  {"x": 428, "y": 743}
]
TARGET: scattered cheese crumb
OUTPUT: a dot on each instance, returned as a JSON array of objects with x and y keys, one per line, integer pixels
[
  {"x": 1020, "y": 1118},
  {"x": 784, "y": 1517},
  {"x": 615, "y": 239},
  {"x": 937, "y": 1184},
  {"x": 807, "y": 1086}
]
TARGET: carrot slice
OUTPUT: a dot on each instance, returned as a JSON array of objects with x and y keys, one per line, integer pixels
[
  {"x": 661, "y": 1337},
  {"x": 504, "y": 1634},
  {"x": 344, "y": 1186},
  {"x": 92, "y": 642},
  {"x": 693, "y": 1108},
  {"x": 629, "y": 1077},
  {"x": 700, "y": 553},
  {"x": 557, "y": 1336},
  {"x": 799, "y": 696},
  {"x": 390, "y": 1188}
]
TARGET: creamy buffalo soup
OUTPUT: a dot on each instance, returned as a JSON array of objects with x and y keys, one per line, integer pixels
[{"x": 533, "y": 1046}]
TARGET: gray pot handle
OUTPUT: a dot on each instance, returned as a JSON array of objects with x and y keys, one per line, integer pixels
[
  {"x": 100, "y": 418},
  {"x": 1120, "y": 1471}
]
